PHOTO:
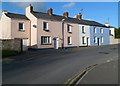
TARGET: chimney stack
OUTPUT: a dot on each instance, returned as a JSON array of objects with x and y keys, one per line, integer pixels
[
  {"x": 79, "y": 16},
  {"x": 5, "y": 12},
  {"x": 31, "y": 8},
  {"x": 65, "y": 14},
  {"x": 50, "y": 11},
  {"x": 107, "y": 24}
]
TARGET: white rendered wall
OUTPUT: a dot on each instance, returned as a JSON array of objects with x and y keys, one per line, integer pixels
[{"x": 86, "y": 34}]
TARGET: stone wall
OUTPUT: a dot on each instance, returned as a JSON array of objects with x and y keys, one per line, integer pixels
[{"x": 11, "y": 44}]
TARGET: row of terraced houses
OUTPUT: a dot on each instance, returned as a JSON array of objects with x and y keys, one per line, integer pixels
[{"x": 47, "y": 30}]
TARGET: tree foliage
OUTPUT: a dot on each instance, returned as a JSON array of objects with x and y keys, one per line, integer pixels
[{"x": 117, "y": 32}]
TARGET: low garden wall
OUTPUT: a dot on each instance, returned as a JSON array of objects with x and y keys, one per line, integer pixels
[{"x": 11, "y": 45}]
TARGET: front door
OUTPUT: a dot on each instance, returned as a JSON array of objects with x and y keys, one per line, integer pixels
[
  {"x": 87, "y": 41},
  {"x": 98, "y": 41},
  {"x": 56, "y": 43}
]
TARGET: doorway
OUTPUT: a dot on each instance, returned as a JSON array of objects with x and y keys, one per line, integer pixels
[
  {"x": 87, "y": 41},
  {"x": 98, "y": 41},
  {"x": 56, "y": 43}
]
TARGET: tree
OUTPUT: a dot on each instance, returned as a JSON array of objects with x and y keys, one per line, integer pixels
[{"x": 117, "y": 32}]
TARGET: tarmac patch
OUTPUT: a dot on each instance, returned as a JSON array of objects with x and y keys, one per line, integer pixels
[{"x": 103, "y": 52}]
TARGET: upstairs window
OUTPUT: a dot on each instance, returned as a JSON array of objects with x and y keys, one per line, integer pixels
[
  {"x": 21, "y": 26},
  {"x": 95, "y": 30},
  {"x": 69, "y": 40},
  {"x": 69, "y": 28},
  {"x": 95, "y": 39},
  {"x": 83, "y": 29},
  {"x": 101, "y": 39},
  {"x": 45, "y": 26},
  {"x": 101, "y": 30},
  {"x": 45, "y": 40}
]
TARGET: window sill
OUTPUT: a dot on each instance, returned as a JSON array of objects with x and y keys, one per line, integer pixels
[
  {"x": 22, "y": 30},
  {"x": 69, "y": 44},
  {"x": 47, "y": 44},
  {"x": 46, "y": 30},
  {"x": 69, "y": 32}
]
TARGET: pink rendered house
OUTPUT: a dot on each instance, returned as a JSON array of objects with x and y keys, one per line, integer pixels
[{"x": 40, "y": 30}]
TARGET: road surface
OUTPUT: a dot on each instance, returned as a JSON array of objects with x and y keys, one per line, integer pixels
[{"x": 56, "y": 68}]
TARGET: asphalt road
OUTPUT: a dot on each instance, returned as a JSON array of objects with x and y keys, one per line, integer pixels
[
  {"x": 56, "y": 68},
  {"x": 106, "y": 73}
]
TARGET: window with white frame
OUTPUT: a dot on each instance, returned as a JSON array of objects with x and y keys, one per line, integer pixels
[
  {"x": 101, "y": 30},
  {"x": 95, "y": 39},
  {"x": 102, "y": 39},
  {"x": 45, "y": 26},
  {"x": 21, "y": 26},
  {"x": 45, "y": 40},
  {"x": 69, "y": 28},
  {"x": 83, "y": 29},
  {"x": 95, "y": 30},
  {"x": 69, "y": 40},
  {"x": 83, "y": 40}
]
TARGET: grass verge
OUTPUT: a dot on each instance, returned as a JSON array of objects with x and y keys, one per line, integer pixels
[{"x": 9, "y": 53}]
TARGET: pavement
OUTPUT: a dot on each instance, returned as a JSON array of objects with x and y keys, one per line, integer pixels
[
  {"x": 54, "y": 67},
  {"x": 106, "y": 73}
]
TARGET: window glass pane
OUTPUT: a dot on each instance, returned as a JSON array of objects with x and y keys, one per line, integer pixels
[
  {"x": 20, "y": 26},
  {"x": 69, "y": 40},
  {"x": 45, "y": 25},
  {"x": 83, "y": 30},
  {"x": 69, "y": 28},
  {"x": 45, "y": 40}
]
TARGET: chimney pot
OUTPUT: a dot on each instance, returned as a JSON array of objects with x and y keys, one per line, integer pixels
[
  {"x": 65, "y": 14},
  {"x": 79, "y": 16},
  {"x": 31, "y": 8},
  {"x": 50, "y": 11}
]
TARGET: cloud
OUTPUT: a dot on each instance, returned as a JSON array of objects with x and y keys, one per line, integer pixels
[
  {"x": 38, "y": 5},
  {"x": 71, "y": 4}
]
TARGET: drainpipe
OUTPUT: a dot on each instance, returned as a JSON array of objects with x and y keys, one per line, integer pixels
[{"x": 63, "y": 33}]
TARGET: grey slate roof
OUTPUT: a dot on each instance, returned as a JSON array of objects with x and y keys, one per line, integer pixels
[
  {"x": 54, "y": 17},
  {"x": 16, "y": 16}
]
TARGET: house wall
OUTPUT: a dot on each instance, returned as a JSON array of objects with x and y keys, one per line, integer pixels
[
  {"x": 74, "y": 35},
  {"x": 15, "y": 33},
  {"x": 5, "y": 28},
  {"x": 55, "y": 30},
  {"x": 33, "y": 30},
  {"x": 105, "y": 35},
  {"x": 86, "y": 35}
]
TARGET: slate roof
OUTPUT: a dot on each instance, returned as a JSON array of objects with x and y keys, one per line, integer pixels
[
  {"x": 54, "y": 17},
  {"x": 16, "y": 16}
]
